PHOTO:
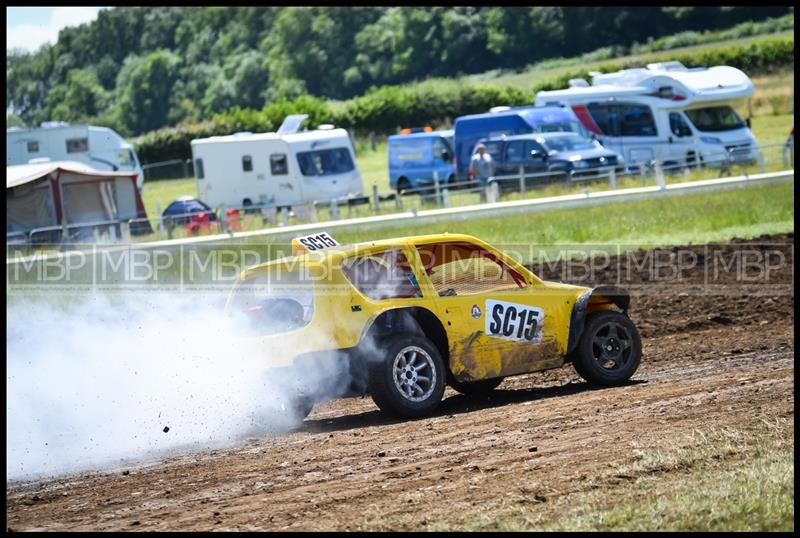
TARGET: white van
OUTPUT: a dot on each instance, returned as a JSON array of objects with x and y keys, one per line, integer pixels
[
  {"x": 666, "y": 112},
  {"x": 283, "y": 168},
  {"x": 99, "y": 147}
]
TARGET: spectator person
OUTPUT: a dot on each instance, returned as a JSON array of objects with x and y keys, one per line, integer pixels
[
  {"x": 481, "y": 167},
  {"x": 788, "y": 148}
]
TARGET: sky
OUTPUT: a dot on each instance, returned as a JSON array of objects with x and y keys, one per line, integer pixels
[{"x": 30, "y": 27}]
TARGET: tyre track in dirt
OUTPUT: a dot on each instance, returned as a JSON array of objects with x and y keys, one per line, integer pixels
[{"x": 723, "y": 358}]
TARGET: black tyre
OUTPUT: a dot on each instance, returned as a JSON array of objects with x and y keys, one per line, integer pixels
[
  {"x": 407, "y": 377},
  {"x": 476, "y": 388},
  {"x": 402, "y": 184},
  {"x": 609, "y": 350}
]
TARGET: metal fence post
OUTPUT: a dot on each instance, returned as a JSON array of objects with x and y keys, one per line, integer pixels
[
  {"x": 169, "y": 225},
  {"x": 125, "y": 230},
  {"x": 446, "y": 197},
  {"x": 160, "y": 220},
  {"x": 376, "y": 203},
  {"x": 223, "y": 219},
  {"x": 284, "y": 216},
  {"x": 436, "y": 187},
  {"x": 491, "y": 192},
  {"x": 334, "y": 210},
  {"x": 521, "y": 179},
  {"x": 64, "y": 231},
  {"x": 112, "y": 233},
  {"x": 659, "y": 175},
  {"x": 612, "y": 178}
]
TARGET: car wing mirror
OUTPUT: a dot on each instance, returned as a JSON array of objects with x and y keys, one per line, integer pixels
[
  {"x": 445, "y": 155},
  {"x": 536, "y": 154}
]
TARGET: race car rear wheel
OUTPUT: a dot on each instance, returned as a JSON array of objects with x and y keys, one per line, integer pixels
[
  {"x": 609, "y": 350},
  {"x": 407, "y": 378},
  {"x": 297, "y": 407},
  {"x": 476, "y": 388}
]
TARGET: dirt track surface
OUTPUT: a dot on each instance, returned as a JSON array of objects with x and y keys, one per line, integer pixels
[{"x": 709, "y": 357}]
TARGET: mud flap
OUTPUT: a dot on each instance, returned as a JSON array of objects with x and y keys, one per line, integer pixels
[{"x": 614, "y": 294}]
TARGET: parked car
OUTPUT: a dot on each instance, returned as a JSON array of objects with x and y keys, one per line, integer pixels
[
  {"x": 414, "y": 158},
  {"x": 509, "y": 121},
  {"x": 404, "y": 317},
  {"x": 182, "y": 210},
  {"x": 566, "y": 155}
]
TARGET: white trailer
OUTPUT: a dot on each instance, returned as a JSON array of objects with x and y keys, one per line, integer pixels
[
  {"x": 99, "y": 147},
  {"x": 666, "y": 112},
  {"x": 283, "y": 168}
]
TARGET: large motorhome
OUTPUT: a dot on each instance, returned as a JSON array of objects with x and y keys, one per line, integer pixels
[
  {"x": 283, "y": 168},
  {"x": 666, "y": 112},
  {"x": 509, "y": 121},
  {"x": 99, "y": 147}
]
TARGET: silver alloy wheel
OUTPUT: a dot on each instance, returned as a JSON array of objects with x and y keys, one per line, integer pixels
[{"x": 414, "y": 373}]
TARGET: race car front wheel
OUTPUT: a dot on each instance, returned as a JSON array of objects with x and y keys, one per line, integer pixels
[
  {"x": 609, "y": 350},
  {"x": 407, "y": 375}
]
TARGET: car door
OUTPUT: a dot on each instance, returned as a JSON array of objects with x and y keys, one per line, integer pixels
[
  {"x": 680, "y": 140},
  {"x": 515, "y": 157},
  {"x": 496, "y": 323},
  {"x": 538, "y": 164},
  {"x": 639, "y": 131}
]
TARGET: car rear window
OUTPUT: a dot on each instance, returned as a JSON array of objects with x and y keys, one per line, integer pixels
[{"x": 278, "y": 300}]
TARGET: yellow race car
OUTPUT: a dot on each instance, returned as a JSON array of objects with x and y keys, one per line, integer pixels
[{"x": 401, "y": 318}]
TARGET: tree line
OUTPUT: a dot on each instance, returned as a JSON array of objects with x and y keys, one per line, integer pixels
[{"x": 139, "y": 69}]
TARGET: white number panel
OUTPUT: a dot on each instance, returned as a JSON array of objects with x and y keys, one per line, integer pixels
[{"x": 513, "y": 321}]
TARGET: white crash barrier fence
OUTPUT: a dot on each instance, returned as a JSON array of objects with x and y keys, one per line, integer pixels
[{"x": 487, "y": 209}]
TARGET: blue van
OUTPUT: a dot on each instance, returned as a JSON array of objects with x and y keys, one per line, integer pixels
[
  {"x": 513, "y": 121},
  {"x": 413, "y": 158}
]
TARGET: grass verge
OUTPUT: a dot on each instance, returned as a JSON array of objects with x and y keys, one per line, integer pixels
[{"x": 714, "y": 478}]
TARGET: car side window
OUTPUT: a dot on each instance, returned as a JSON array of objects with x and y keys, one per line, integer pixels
[
  {"x": 198, "y": 168},
  {"x": 531, "y": 145},
  {"x": 385, "y": 275},
  {"x": 678, "y": 125},
  {"x": 439, "y": 146},
  {"x": 457, "y": 269},
  {"x": 494, "y": 149},
  {"x": 637, "y": 120},
  {"x": 515, "y": 152},
  {"x": 247, "y": 163}
]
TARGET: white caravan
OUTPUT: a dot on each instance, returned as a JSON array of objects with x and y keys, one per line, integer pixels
[
  {"x": 99, "y": 147},
  {"x": 283, "y": 168},
  {"x": 666, "y": 112}
]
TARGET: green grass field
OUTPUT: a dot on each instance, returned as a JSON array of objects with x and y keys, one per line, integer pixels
[{"x": 700, "y": 218}]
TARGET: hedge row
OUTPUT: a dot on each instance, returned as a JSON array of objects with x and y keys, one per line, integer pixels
[
  {"x": 756, "y": 57},
  {"x": 383, "y": 110}
]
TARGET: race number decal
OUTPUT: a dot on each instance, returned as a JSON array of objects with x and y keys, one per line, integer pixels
[
  {"x": 512, "y": 321},
  {"x": 315, "y": 242}
]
